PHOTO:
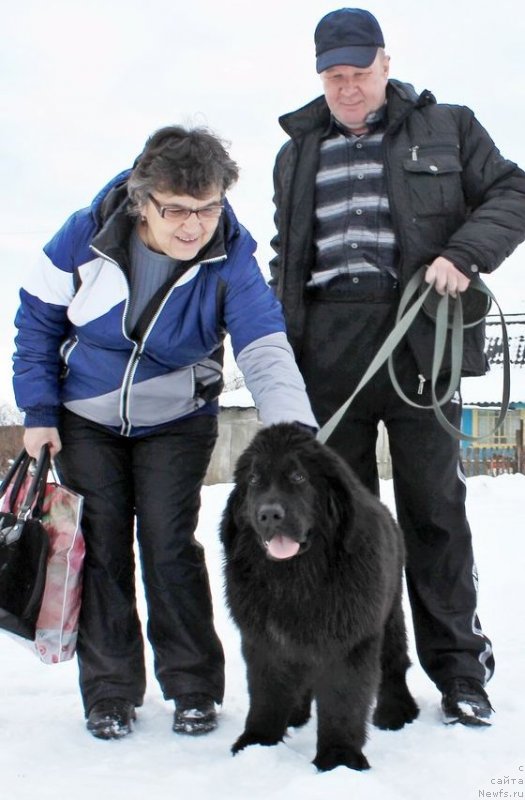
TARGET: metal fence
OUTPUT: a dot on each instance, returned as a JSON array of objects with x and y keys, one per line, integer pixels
[
  {"x": 237, "y": 426},
  {"x": 490, "y": 461}
]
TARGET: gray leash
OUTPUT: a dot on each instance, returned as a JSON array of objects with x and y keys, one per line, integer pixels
[{"x": 404, "y": 319}]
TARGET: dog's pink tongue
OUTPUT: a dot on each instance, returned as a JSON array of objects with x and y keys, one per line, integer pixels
[{"x": 283, "y": 547}]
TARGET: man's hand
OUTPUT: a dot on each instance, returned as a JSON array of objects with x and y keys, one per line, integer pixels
[
  {"x": 445, "y": 277},
  {"x": 36, "y": 438}
]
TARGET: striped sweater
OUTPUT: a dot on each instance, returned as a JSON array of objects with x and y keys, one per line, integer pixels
[{"x": 353, "y": 228}]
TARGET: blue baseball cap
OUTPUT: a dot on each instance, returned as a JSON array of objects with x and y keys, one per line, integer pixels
[{"x": 348, "y": 36}]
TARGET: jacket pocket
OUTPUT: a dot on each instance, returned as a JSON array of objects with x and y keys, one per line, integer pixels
[
  {"x": 434, "y": 183},
  {"x": 208, "y": 380}
]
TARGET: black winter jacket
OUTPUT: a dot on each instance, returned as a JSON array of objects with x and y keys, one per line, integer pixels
[{"x": 450, "y": 190}]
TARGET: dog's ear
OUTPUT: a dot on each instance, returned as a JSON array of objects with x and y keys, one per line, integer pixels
[
  {"x": 230, "y": 518},
  {"x": 333, "y": 482},
  {"x": 340, "y": 504},
  {"x": 357, "y": 508}
]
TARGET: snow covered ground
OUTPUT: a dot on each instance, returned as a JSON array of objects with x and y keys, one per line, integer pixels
[{"x": 45, "y": 751}]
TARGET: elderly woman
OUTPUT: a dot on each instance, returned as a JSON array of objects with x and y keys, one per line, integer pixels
[{"x": 118, "y": 368}]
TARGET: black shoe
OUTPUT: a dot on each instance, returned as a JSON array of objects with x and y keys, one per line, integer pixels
[
  {"x": 194, "y": 714},
  {"x": 111, "y": 718},
  {"x": 464, "y": 700}
]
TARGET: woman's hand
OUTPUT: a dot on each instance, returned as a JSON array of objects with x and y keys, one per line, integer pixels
[{"x": 36, "y": 438}]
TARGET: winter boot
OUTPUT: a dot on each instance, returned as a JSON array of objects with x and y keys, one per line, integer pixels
[
  {"x": 464, "y": 700},
  {"x": 194, "y": 714},
  {"x": 111, "y": 718}
]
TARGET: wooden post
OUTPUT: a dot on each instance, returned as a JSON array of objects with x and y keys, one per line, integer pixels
[{"x": 520, "y": 444}]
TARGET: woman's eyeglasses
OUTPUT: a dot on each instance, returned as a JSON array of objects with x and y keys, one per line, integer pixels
[{"x": 181, "y": 214}]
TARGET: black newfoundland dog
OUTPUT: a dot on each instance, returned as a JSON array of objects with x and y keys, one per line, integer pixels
[{"x": 313, "y": 566}]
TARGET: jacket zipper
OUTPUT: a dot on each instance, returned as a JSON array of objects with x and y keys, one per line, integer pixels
[
  {"x": 138, "y": 347},
  {"x": 414, "y": 150},
  {"x": 67, "y": 348},
  {"x": 127, "y": 382},
  {"x": 398, "y": 230},
  {"x": 393, "y": 211},
  {"x": 133, "y": 362},
  {"x": 135, "y": 355}
]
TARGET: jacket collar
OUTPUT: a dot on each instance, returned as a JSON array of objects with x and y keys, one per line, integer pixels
[
  {"x": 115, "y": 226},
  {"x": 402, "y": 98}
]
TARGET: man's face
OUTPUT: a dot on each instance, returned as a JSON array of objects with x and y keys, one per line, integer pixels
[{"x": 352, "y": 93}]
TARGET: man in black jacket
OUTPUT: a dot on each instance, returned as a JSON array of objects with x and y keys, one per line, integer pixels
[{"x": 375, "y": 182}]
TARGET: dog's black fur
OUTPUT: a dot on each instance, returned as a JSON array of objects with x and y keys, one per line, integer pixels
[{"x": 326, "y": 622}]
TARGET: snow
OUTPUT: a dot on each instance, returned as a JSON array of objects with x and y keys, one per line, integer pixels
[
  {"x": 237, "y": 398},
  {"x": 9, "y": 415},
  {"x": 488, "y": 389},
  {"x": 47, "y": 753}
]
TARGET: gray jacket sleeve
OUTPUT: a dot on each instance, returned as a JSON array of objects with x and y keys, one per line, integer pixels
[{"x": 282, "y": 398}]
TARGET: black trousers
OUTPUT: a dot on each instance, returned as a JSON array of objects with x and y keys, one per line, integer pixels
[
  {"x": 155, "y": 480},
  {"x": 429, "y": 484}
]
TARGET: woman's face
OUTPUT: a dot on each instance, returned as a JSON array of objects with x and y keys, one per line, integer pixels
[{"x": 166, "y": 227}]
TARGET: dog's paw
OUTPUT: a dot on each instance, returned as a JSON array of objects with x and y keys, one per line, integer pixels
[
  {"x": 248, "y": 738},
  {"x": 340, "y": 757},
  {"x": 393, "y": 713}
]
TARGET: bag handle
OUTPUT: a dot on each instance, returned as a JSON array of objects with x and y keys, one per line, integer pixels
[
  {"x": 34, "y": 499},
  {"x": 16, "y": 476},
  {"x": 21, "y": 459},
  {"x": 405, "y": 316}
]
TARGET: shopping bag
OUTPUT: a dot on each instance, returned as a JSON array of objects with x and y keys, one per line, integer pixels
[
  {"x": 24, "y": 547},
  {"x": 59, "y": 510},
  {"x": 57, "y": 624}
]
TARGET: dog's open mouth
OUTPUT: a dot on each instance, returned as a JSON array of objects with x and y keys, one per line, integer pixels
[{"x": 281, "y": 547}]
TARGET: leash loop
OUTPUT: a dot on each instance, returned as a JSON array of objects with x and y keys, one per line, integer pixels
[{"x": 406, "y": 314}]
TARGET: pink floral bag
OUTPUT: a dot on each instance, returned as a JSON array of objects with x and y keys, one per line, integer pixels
[{"x": 57, "y": 623}]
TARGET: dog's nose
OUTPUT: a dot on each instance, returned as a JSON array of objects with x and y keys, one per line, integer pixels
[{"x": 269, "y": 514}]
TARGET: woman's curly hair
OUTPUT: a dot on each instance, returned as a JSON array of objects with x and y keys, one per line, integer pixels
[{"x": 180, "y": 161}]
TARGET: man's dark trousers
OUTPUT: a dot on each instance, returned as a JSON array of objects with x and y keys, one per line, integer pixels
[{"x": 341, "y": 339}]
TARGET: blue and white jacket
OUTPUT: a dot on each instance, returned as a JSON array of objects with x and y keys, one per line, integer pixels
[{"x": 72, "y": 348}]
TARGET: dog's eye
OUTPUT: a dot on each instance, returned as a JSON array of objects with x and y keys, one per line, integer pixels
[
  {"x": 253, "y": 479},
  {"x": 297, "y": 477}
]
